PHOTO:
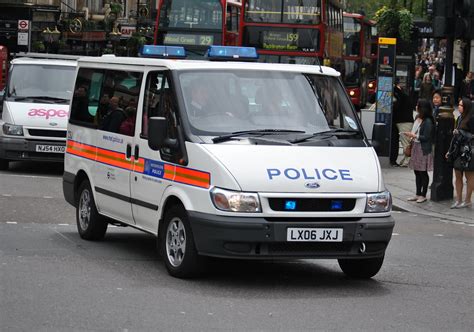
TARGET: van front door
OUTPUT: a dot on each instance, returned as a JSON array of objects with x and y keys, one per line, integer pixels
[{"x": 148, "y": 183}]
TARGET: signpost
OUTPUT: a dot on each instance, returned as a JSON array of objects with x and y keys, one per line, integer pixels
[
  {"x": 383, "y": 111},
  {"x": 23, "y": 38}
]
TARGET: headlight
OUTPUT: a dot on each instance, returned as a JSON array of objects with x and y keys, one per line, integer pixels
[
  {"x": 379, "y": 202},
  {"x": 352, "y": 93},
  {"x": 235, "y": 201},
  {"x": 14, "y": 130},
  {"x": 371, "y": 85}
]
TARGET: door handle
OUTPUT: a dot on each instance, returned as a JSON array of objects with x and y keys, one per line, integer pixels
[
  {"x": 136, "y": 155},
  {"x": 128, "y": 154}
]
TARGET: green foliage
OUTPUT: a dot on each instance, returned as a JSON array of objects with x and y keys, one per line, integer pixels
[
  {"x": 38, "y": 46},
  {"x": 116, "y": 8},
  {"x": 370, "y": 7},
  {"x": 406, "y": 24},
  {"x": 135, "y": 42},
  {"x": 394, "y": 23}
]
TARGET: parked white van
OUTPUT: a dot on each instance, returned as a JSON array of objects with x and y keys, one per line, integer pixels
[
  {"x": 35, "y": 109},
  {"x": 225, "y": 159}
]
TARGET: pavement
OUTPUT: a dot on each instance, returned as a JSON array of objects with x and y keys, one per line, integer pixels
[{"x": 400, "y": 181}]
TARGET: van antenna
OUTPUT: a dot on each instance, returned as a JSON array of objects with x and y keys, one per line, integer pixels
[{"x": 320, "y": 68}]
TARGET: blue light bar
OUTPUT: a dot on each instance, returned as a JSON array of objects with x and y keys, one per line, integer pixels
[
  {"x": 232, "y": 52},
  {"x": 161, "y": 51},
  {"x": 290, "y": 205}
]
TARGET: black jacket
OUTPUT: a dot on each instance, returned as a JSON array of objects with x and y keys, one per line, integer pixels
[{"x": 426, "y": 135}]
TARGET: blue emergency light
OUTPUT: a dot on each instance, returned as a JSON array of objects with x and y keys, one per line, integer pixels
[
  {"x": 163, "y": 52},
  {"x": 336, "y": 205},
  {"x": 290, "y": 205},
  {"x": 232, "y": 53}
]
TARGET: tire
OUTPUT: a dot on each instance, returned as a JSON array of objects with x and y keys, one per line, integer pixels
[
  {"x": 3, "y": 165},
  {"x": 90, "y": 224},
  {"x": 176, "y": 245},
  {"x": 364, "y": 268}
]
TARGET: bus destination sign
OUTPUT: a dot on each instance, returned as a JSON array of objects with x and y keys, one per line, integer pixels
[
  {"x": 280, "y": 40},
  {"x": 184, "y": 39}
]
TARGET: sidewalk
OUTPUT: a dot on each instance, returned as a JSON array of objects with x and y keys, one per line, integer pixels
[{"x": 400, "y": 181}]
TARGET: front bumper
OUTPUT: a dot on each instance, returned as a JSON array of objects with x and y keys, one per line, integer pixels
[
  {"x": 25, "y": 149},
  {"x": 257, "y": 237}
]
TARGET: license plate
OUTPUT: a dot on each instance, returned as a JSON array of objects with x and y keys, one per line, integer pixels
[
  {"x": 50, "y": 148},
  {"x": 314, "y": 234}
]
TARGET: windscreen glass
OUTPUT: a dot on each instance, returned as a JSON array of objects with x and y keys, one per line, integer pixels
[
  {"x": 41, "y": 81},
  {"x": 191, "y": 14},
  {"x": 352, "y": 72},
  {"x": 351, "y": 37},
  {"x": 283, "y": 11},
  {"x": 241, "y": 100}
]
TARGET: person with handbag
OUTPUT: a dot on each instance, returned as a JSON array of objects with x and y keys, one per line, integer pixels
[
  {"x": 461, "y": 153},
  {"x": 422, "y": 136}
]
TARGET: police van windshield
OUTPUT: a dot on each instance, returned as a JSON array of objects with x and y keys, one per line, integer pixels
[
  {"x": 41, "y": 81},
  {"x": 228, "y": 101}
]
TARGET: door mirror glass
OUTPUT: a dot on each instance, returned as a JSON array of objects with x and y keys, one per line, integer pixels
[{"x": 157, "y": 132}]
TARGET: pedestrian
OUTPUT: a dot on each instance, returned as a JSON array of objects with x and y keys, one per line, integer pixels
[
  {"x": 421, "y": 160},
  {"x": 402, "y": 122},
  {"x": 437, "y": 101},
  {"x": 426, "y": 87},
  {"x": 467, "y": 86},
  {"x": 436, "y": 81},
  {"x": 461, "y": 153}
]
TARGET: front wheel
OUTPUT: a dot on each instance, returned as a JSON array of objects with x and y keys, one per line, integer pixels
[
  {"x": 176, "y": 243},
  {"x": 90, "y": 224},
  {"x": 364, "y": 268}
]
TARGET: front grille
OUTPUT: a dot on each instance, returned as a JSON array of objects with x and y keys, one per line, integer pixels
[
  {"x": 303, "y": 248},
  {"x": 312, "y": 204},
  {"x": 47, "y": 133}
]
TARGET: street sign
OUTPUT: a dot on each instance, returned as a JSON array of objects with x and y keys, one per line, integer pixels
[
  {"x": 23, "y": 25},
  {"x": 383, "y": 112},
  {"x": 23, "y": 38},
  {"x": 127, "y": 31}
]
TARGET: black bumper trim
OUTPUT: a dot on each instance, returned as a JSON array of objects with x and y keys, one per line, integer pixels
[
  {"x": 68, "y": 187},
  {"x": 256, "y": 238}
]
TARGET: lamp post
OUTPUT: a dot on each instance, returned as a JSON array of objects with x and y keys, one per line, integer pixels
[{"x": 115, "y": 38}]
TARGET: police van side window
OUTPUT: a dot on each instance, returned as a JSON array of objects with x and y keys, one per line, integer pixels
[
  {"x": 118, "y": 102},
  {"x": 151, "y": 101},
  {"x": 160, "y": 101},
  {"x": 85, "y": 99}
]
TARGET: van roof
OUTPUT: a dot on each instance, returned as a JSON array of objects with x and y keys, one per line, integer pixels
[
  {"x": 37, "y": 61},
  {"x": 208, "y": 65}
]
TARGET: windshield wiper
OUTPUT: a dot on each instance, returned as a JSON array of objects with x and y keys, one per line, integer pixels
[
  {"x": 226, "y": 137},
  {"x": 41, "y": 98},
  {"x": 328, "y": 133}
]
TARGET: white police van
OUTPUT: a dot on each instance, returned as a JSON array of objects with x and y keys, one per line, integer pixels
[
  {"x": 35, "y": 108},
  {"x": 225, "y": 159}
]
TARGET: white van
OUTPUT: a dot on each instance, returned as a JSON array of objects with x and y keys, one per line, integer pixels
[
  {"x": 35, "y": 109},
  {"x": 225, "y": 159}
]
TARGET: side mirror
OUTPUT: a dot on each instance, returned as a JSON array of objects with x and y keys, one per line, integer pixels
[{"x": 158, "y": 134}]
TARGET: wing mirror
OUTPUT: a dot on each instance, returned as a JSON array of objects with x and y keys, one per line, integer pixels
[{"x": 158, "y": 134}]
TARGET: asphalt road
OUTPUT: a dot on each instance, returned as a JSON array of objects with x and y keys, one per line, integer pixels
[{"x": 50, "y": 279}]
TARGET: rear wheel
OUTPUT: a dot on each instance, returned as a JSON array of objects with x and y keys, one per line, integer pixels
[
  {"x": 3, "y": 165},
  {"x": 176, "y": 243},
  {"x": 364, "y": 268},
  {"x": 90, "y": 224}
]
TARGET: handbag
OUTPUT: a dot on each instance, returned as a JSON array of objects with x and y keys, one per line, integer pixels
[{"x": 408, "y": 148}]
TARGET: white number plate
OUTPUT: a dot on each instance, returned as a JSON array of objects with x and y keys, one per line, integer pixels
[
  {"x": 50, "y": 148},
  {"x": 314, "y": 234}
]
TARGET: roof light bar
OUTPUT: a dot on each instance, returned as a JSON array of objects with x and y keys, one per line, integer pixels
[
  {"x": 161, "y": 51},
  {"x": 232, "y": 53}
]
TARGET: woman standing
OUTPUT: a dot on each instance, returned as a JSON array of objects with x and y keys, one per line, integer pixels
[
  {"x": 426, "y": 87},
  {"x": 461, "y": 152},
  {"x": 421, "y": 157},
  {"x": 437, "y": 101}
]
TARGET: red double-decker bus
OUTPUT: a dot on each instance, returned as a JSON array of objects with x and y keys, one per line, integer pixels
[
  {"x": 372, "y": 70},
  {"x": 293, "y": 31},
  {"x": 357, "y": 50},
  {"x": 194, "y": 24}
]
